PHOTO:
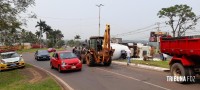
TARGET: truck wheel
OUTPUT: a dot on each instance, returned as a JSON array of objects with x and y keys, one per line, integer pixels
[
  {"x": 90, "y": 61},
  {"x": 190, "y": 71},
  {"x": 177, "y": 69},
  {"x": 108, "y": 63}
]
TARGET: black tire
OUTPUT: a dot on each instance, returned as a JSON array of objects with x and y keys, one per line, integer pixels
[
  {"x": 190, "y": 71},
  {"x": 59, "y": 69},
  {"x": 51, "y": 65},
  {"x": 91, "y": 61},
  {"x": 36, "y": 58},
  {"x": 80, "y": 70},
  {"x": 83, "y": 61},
  {"x": 177, "y": 69},
  {"x": 108, "y": 63},
  {"x": 22, "y": 67}
]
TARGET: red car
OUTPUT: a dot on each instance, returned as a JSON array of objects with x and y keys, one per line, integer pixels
[
  {"x": 65, "y": 60},
  {"x": 51, "y": 50}
]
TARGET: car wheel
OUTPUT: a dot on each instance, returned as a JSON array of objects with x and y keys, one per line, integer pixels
[
  {"x": 37, "y": 59},
  {"x": 51, "y": 66},
  {"x": 108, "y": 62},
  {"x": 80, "y": 69},
  {"x": 59, "y": 69}
]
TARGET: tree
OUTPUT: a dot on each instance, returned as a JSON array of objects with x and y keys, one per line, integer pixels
[
  {"x": 186, "y": 19},
  {"x": 77, "y": 37},
  {"x": 72, "y": 43},
  {"x": 10, "y": 13},
  {"x": 30, "y": 37},
  {"x": 42, "y": 25},
  {"x": 55, "y": 36},
  {"x": 47, "y": 30},
  {"x": 10, "y": 19},
  {"x": 37, "y": 33}
]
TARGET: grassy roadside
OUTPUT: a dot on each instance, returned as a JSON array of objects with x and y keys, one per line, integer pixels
[
  {"x": 163, "y": 64},
  {"x": 15, "y": 80}
]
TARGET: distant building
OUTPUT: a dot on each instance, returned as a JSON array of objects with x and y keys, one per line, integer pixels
[{"x": 116, "y": 40}]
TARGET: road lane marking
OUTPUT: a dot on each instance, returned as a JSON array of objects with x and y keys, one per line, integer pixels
[
  {"x": 135, "y": 79},
  {"x": 59, "y": 79}
]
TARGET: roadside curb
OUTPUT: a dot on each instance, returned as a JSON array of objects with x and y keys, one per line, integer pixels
[
  {"x": 143, "y": 66},
  {"x": 63, "y": 84}
]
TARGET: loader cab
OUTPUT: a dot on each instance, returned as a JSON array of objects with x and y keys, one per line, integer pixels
[{"x": 96, "y": 43}]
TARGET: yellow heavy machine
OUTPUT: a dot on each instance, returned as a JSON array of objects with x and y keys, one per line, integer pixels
[{"x": 100, "y": 51}]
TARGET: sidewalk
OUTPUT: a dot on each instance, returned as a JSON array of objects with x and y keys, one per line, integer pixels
[{"x": 143, "y": 66}]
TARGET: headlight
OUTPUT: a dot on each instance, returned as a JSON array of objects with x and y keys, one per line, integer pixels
[
  {"x": 63, "y": 64},
  {"x": 2, "y": 62},
  {"x": 79, "y": 61},
  {"x": 21, "y": 60}
]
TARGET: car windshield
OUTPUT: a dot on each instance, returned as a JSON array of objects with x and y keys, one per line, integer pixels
[
  {"x": 43, "y": 52},
  {"x": 67, "y": 55},
  {"x": 9, "y": 55}
]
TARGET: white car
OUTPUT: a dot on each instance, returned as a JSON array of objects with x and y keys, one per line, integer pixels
[{"x": 10, "y": 60}]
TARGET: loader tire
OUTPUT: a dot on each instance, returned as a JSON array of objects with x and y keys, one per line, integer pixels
[
  {"x": 91, "y": 61},
  {"x": 108, "y": 63},
  {"x": 83, "y": 60}
]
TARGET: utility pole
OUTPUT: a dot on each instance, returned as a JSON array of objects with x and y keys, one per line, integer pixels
[
  {"x": 99, "y": 15},
  {"x": 158, "y": 38}
]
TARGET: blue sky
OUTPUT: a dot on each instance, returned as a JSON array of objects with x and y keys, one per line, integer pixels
[{"x": 74, "y": 17}]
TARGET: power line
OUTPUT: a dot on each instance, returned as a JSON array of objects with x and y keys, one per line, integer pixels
[
  {"x": 134, "y": 30},
  {"x": 141, "y": 31}
]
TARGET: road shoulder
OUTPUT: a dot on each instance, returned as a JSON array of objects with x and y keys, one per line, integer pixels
[
  {"x": 60, "y": 82},
  {"x": 143, "y": 66}
]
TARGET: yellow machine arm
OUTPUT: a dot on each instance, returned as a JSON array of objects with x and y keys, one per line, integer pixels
[{"x": 106, "y": 41}]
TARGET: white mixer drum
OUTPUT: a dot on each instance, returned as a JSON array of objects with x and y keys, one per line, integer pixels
[{"x": 118, "y": 48}]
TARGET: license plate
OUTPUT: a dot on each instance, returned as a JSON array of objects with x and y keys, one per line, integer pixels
[
  {"x": 13, "y": 65},
  {"x": 73, "y": 67}
]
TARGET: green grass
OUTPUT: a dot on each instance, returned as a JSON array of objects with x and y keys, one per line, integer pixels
[
  {"x": 9, "y": 77},
  {"x": 163, "y": 64},
  {"x": 14, "y": 80}
]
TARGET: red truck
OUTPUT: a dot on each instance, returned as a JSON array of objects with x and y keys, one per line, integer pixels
[{"x": 185, "y": 52}]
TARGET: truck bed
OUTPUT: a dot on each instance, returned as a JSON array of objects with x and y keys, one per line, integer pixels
[{"x": 188, "y": 45}]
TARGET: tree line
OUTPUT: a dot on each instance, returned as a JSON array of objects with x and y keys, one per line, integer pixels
[
  {"x": 53, "y": 36},
  {"x": 12, "y": 23}
]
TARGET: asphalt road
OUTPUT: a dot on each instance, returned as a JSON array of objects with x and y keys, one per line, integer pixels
[{"x": 115, "y": 77}]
